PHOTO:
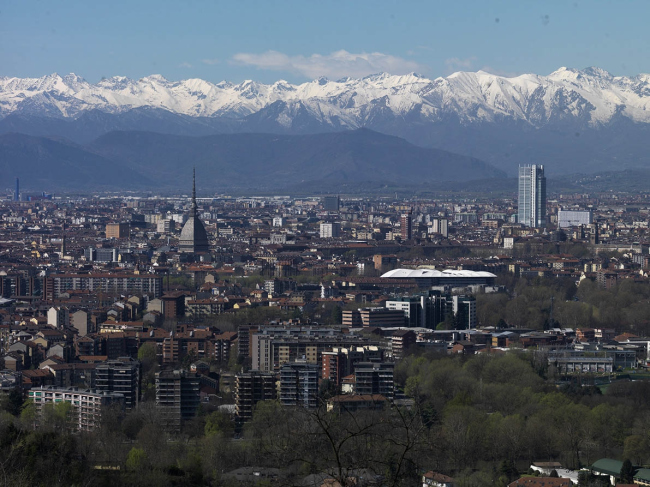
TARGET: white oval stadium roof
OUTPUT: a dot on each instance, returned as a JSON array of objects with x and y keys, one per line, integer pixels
[{"x": 414, "y": 273}]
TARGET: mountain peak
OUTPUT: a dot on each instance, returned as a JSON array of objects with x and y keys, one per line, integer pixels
[
  {"x": 570, "y": 94},
  {"x": 73, "y": 79},
  {"x": 597, "y": 72},
  {"x": 155, "y": 77},
  {"x": 377, "y": 76}
]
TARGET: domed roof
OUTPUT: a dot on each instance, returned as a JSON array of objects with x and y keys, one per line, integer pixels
[
  {"x": 447, "y": 273},
  {"x": 194, "y": 238}
]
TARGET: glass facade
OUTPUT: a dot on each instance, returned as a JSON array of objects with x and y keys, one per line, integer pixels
[{"x": 532, "y": 196}]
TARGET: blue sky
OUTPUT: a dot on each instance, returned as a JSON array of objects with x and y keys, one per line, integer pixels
[{"x": 300, "y": 40}]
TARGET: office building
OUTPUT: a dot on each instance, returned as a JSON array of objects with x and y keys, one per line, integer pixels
[
  {"x": 251, "y": 388},
  {"x": 413, "y": 307},
  {"x": 406, "y": 226},
  {"x": 177, "y": 396},
  {"x": 351, "y": 318},
  {"x": 87, "y": 405},
  {"x": 17, "y": 191},
  {"x": 374, "y": 317},
  {"x": 532, "y": 196},
  {"x": 299, "y": 384},
  {"x": 421, "y": 310},
  {"x": 194, "y": 238},
  {"x": 377, "y": 317},
  {"x": 464, "y": 309},
  {"x": 574, "y": 218},
  {"x": 117, "y": 230},
  {"x": 330, "y": 230},
  {"x": 93, "y": 254},
  {"x": 331, "y": 203},
  {"x": 120, "y": 376}
]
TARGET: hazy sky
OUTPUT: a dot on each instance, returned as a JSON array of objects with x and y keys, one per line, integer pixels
[{"x": 300, "y": 40}]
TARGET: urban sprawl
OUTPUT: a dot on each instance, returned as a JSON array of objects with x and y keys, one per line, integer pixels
[{"x": 250, "y": 318}]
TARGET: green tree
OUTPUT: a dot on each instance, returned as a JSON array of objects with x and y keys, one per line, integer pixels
[
  {"x": 147, "y": 353},
  {"x": 136, "y": 459},
  {"x": 627, "y": 472},
  {"x": 12, "y": 402},
  {"x": 219, "y": 423},
  {"x": 636, "y": 448},
  {"x": 56, "y": 416}
]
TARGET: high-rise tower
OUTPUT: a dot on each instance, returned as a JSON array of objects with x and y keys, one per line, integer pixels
[
  {"x": 17, "y": 191},
  {"x": 406, "y": 225},
  {"x": 532, "y": 196},
  {"x": 194, "y": 238}
]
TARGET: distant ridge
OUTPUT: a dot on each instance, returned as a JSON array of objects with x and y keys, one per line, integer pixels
[
  {"x": 50, "y": 164},
  {"x": 571, "y": 120},
  {"x": 248, "y": 161}
]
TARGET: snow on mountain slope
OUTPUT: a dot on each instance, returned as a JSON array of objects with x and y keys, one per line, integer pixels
[{"x": 591, "y": 96}]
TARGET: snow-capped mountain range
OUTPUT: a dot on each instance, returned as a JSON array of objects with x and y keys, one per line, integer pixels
[{"x": 591, "y": 96}]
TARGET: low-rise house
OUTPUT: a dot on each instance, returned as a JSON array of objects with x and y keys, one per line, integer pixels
[
  {"x": 541, "y": 482},
  {"x": 355, "y": 402},
  {"x": 607, "y": 467},
  {"x": 436, "y": 479}
]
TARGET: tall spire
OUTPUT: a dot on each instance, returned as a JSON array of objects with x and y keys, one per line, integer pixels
[
  {"x": 194, "y": 207},
  {"x": 194, "y": 238}
]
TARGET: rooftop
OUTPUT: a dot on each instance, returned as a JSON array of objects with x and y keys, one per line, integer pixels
[{"x": 433, "y": 273}]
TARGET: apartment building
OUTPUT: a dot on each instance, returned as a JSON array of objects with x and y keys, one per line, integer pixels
[
  {"x": 87, "y": 405},
  {"x": 177, "y": 396},
  {"x": 120, "y": 376},
  {"x": 251, "y": 388},
  {"x": 299, "y": 384},
  {"x": 58, "y": 284}
]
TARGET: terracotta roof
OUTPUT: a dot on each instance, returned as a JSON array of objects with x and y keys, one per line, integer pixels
[
  {"x": 93, "y": 358},
  {"x": 438, "y": 477},
  {"x": 541, "y": 482}
]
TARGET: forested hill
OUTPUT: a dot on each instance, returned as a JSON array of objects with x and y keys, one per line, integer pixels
[{"x": 481, "y": 419}]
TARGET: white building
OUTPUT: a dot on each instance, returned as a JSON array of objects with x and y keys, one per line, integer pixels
[
  {"x": 440, "y": 225},
  {"x": 330, "y": 230},
  {"x": 574, "y": 218},
  {"x": 58, "y": 317},
  {"x": 165, "y": 226},
  {"x": 468, "y": 305},
  {"x": 87, "y": 405}
]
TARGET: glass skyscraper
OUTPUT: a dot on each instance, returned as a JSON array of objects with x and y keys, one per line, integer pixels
[{"x": 532, "y": 196}]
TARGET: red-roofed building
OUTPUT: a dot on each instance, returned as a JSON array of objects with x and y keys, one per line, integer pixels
[
  {"x": 436, "y": 479},
  {"x": 541, "y": 482}
]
